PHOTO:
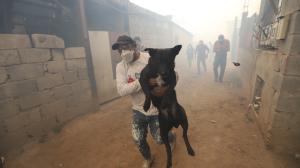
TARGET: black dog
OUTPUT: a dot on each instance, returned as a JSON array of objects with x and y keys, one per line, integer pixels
[{"x": 171, "y": 114}]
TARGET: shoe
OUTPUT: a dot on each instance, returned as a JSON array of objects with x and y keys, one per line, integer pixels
[{"x": 148, "y": 163}]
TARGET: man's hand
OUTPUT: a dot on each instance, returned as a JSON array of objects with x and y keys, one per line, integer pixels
[{"x": 159, "y": 91}]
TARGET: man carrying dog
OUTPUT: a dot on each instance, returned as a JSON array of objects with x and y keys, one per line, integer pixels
[{"x": 128, "y": 72}]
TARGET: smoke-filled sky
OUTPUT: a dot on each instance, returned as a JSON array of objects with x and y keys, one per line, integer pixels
[{"x": 200, "y": 17}]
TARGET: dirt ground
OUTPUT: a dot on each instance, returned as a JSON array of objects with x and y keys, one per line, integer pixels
[{"x": 220, "y": 133}]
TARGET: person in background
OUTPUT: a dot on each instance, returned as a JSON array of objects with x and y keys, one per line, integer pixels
[
  {"x": 139, "y": 44},
  {"x": 221, "y": 47},
  {"x": 190, "y": 54},
  {"x": 128, "y": 73},
  {"x": 201, "y": 55}
]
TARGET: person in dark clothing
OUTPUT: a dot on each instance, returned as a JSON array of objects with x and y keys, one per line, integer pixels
[
  {"x": 201, "y": 55},
  {"x": 221, "y": 47},
  {"x": 190, "y": 54}
]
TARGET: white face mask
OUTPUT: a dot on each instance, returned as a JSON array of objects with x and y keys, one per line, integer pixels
[{"x": 127, "y": 55}]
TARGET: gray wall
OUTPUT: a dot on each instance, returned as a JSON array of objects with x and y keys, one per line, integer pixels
[{"x": 42, "y": 85}]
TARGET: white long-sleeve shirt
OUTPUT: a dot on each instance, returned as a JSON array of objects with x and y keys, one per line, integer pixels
[{"x": 128, "y": 83}]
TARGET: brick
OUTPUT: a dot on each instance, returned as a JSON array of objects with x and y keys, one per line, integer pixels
[
  {"x": 49, "y": 81},
  {"x": 62, "y": 91},
  {"x": 17, "y": 89},
  {"x": 55, "y": 66},
  {"x": 75, "y": 64},
  {"x": 8, "y": 108},
  {"x": 47, "y": 41},
  {"x": 3, "y": 75},
  {"x": 14, "y": 41},
  {"x": 70, "y": 77},
  {"x": 74, "y": 52},
  {"x": 9, "y": 57},
  {"x": 80, "y": 86},
  {"x": 29, "y": 101},
  {"x": 292, "y": 66},
  {"x": 47, "y": 96},
  {"x": 34, "y": 55},
  {"x": 57, "y": 54},
  {"x": 83, "y": 74},
  {"x": 25, "y": 71}
]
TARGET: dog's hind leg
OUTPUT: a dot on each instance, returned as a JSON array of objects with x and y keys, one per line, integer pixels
[
  {"x": 185, "y": 125},
  {"x": 164, "y": 130}
]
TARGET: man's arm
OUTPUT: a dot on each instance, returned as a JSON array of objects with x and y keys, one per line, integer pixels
[{"x": 124, "y": 88}]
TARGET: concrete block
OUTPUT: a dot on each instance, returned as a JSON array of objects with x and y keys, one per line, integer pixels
[
  {"x": 80, "y": 99},
  {"x": 83, "y": 74},
  {"x": 80, "y": 86},
  {"x": 292, "y": 45},
  {"x": 49, "y": 81},
  {"x": 34, "y": 115},
  {"x": 14, "y": 41},
  {"x": 57, "y": 54},
  {"x": 62, "y": 91},
  {"x": 47, "y": 96},
  {"x": 74, "y": 52},
  {"x": 47, "y": 41},
  {"x": 13, "y": 140},
  {"x": 288, "y": 102},
  {"x": 295, "y": 23},
  {"x": 17, "y": 89},
  {"x": 8, "y": 108},
  {"x": 25, "y": 71},
  {"x": 29, "y": 101},
  {"x": 36, "y": 130},
  {"x": 51, "y": 110},
  {"x": 3, "y": 75},
  {"x": 291, "y": 84},
  {"x": 34, "y": 55},
  {"x": 75, "y": 64},
  {"x": 292, "y": 65},
  {"x": 277, "y": 81},
  {"x": 55, "y": 66},
  {"x": 70, "y": 77},
  {"x": 9, "y": 57},
  {"x": 16, "y": 122}
]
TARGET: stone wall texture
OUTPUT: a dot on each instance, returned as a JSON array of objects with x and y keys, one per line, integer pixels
[
  {"x": 279, "y": 113},
  {"x": 42, "y": 86}
]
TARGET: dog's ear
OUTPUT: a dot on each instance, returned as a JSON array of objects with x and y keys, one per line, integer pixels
[
  {"x": 176, "y": 49},
  {"x": 151, "y": 51}
]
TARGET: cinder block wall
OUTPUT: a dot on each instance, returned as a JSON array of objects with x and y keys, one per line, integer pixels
[
  {"x": 42, "y": 85},
  {"x": 285, "y": 134},
  {"x": 279, "y": 114}
]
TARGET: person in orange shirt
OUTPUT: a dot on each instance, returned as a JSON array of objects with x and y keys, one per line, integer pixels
[{"x": 221, "y": 47}]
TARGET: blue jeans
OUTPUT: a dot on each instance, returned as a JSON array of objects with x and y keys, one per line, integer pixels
[{"x": 140, "y": 124}]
